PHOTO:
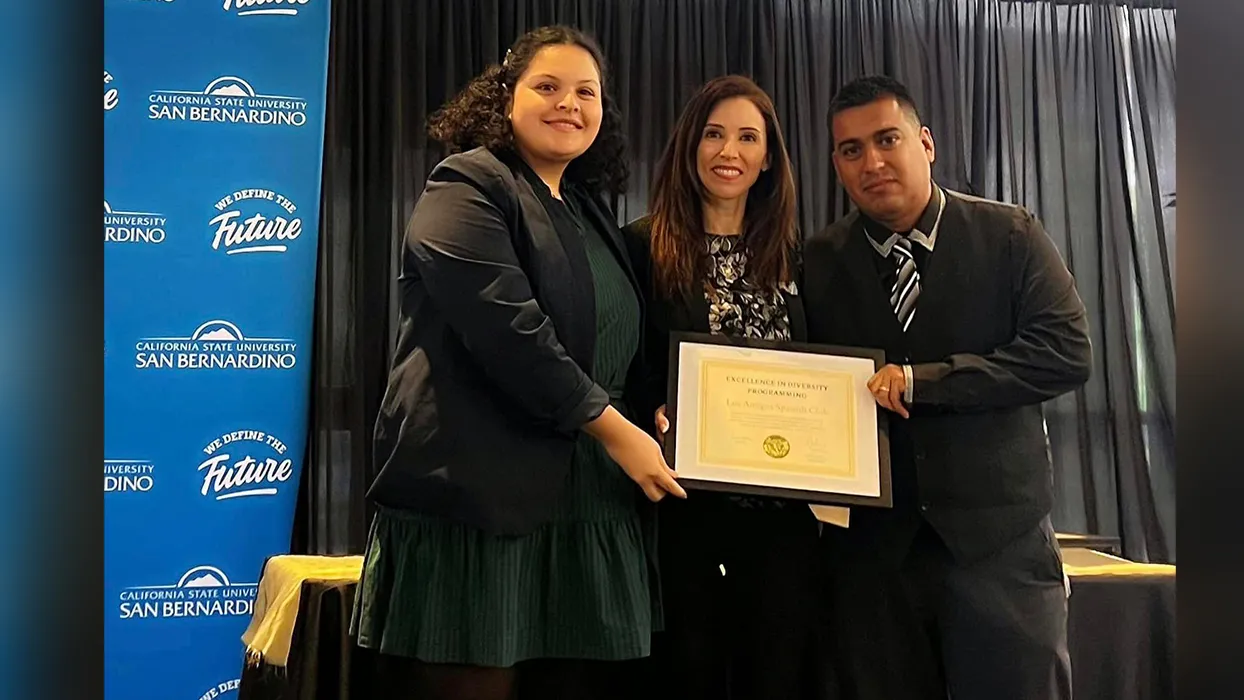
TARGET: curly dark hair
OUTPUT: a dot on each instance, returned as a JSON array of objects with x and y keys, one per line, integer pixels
[{"x": 476, "y": 116}]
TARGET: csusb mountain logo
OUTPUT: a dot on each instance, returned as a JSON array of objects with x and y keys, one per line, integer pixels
[
  {"x": 215, "y": 345},
  {"x": 267, "y": 230},
  {"x": 232, "y": 470},
  {"x": 220, "y": 689},
  {"x": 203, "y": 591},
  {"x": 111, "y": 96},
  {"x": 245, "y": 8},
  {"x": 227, "y": 100},
  {"x": 133, "y": 226},
  {"x": 128, "y": 475}
]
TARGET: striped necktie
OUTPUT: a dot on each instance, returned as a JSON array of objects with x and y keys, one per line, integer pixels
[{"x": 907, "y": 286}]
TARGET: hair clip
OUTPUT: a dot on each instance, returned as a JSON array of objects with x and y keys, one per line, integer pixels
[{"x": 505, "y": 63}]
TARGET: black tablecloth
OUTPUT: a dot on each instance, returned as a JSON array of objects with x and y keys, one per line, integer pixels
[
  {"x": 324, "y": 663},
  {"x": 1121, "y": 636}
]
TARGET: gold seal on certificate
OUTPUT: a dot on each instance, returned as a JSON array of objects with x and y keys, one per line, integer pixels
[{"x": 780, "y": 419}]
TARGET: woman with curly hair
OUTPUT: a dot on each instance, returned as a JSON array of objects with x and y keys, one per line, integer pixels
[
  {"x": 509, "y": 549},
  {"x": 718, "y": 254}
]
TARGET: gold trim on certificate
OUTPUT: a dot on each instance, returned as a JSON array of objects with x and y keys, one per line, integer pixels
[
  {"x": 774, "y": 418},
  {"x": 781, "y": 419}
]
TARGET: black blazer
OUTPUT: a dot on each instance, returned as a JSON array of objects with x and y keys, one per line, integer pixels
[
  {"x": 664, "y": 316},
  {"x": 491, "y": 379},
  {"x": 999, "y": 328}
]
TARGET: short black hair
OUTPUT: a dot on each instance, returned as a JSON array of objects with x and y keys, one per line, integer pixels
[{"x": 862, "y": 91}]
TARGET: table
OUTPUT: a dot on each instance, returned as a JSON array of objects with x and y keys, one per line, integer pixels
[
  {"x": 324, "y": 663},
  {"x": 1101, "y": 543},
  {"x": 1121, "y": 635},
  {"x": 1120, "y": 627}
]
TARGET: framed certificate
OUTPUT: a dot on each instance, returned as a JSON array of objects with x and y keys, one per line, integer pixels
[{"x": 791, "y": 420}]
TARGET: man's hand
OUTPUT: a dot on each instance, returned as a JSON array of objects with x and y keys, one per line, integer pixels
[{"x": 888, "y": 387}]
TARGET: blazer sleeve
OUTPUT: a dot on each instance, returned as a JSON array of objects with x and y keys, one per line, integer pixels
[
  {"x": 1050, "y": 354},
  {"x": 461, "y": 246}
]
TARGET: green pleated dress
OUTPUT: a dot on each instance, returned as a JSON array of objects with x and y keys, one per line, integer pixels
[{"x": 579, "y": 587}]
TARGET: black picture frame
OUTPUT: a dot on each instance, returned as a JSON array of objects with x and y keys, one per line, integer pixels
[{"x": 884, "y": 500}]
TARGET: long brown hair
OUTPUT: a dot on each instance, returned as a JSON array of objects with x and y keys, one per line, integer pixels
[{"x": 677, "y": 236}]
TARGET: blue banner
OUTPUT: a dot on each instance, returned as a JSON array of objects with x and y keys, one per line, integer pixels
[{"x": 213, "y": 141}]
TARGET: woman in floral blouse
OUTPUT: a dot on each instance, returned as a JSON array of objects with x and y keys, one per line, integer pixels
[{"x": 719, "y": 254}]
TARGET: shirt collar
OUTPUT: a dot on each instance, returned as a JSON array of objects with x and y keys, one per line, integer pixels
[{"x": 924, "y": 232}]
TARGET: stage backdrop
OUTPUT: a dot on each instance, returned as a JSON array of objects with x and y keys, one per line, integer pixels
[{"x": 213, "y": 137}]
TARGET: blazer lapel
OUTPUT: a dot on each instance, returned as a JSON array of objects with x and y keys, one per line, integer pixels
[
  {"x": 695, "y": 306},
  {"x": 564, "y": 264}
]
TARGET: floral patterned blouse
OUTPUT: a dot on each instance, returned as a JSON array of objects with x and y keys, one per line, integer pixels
[{"x": 738, "y": 308}]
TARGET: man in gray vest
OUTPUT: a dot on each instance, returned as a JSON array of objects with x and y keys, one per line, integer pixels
[{"x": 959, "y": 587}]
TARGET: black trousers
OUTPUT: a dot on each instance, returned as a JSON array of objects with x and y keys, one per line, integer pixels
[
  {"x": 933, "y": 628},
  {"x": 739, "y": 585}
]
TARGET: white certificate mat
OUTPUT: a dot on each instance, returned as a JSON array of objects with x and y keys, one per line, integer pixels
[{"x": 778, "y": 420}]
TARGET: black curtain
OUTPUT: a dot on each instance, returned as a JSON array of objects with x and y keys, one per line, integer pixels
[{"x": 1064, "y": 107}]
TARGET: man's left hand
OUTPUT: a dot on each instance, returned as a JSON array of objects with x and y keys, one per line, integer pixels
[{"x": 888, "y": 387}]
